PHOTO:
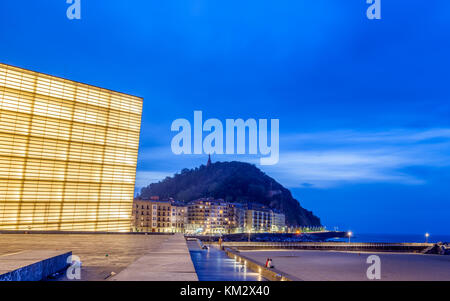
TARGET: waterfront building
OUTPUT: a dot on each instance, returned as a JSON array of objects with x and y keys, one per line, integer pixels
[
  {"x": 258, "y": 219},
  {"x": 181, "y": 218},
  {"x": 278, "y": 221},
  {"x": 142, "y": 216},
  {"x": 68, "y": 154},
  {"x": 146, "y": 215},
  {"x": 209, "y": 216},
  {"x": 237, "y": 212},
  {"x": 204, "y": 216},
  {"x": 163, "y": 216}
]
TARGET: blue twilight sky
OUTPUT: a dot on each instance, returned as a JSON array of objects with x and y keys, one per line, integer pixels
[{"x": 363, "y": 105}]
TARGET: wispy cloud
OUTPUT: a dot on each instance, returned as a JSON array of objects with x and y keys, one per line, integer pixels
[
  {"x": 330, "y": 168},
  {"x": 327, "y": 158},
  {"x": 395, "y": 136}
]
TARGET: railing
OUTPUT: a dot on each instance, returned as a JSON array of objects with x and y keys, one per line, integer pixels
[{"x": 330, "y": 245}]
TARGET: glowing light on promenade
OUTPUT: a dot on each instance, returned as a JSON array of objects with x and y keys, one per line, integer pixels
[{"x": 349, "y": 234}]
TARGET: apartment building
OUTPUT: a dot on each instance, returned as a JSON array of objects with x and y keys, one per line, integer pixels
[
  {"x": 237, "y": 218},
  {"x": 209, "y": 216},
  {"x": 158, "y": 216},
  {"x": 181, "y": 217},
  {"x": 278, "y": 221},
  {"x": 204, "y": 216},
  {"x": 258, "y": 220}
]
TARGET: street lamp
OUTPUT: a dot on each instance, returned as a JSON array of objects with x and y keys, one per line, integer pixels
[
  {"x": 426, "y": 237},
  {"x": 349, "y": 234}
]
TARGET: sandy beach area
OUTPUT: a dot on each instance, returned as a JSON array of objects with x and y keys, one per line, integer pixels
[{"x": 342, "y": 266}]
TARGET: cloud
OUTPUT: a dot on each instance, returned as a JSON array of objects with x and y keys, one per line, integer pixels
[
  {"x": 395, "y": 136},
  {"x": 327, "y": 159},
  {"x": 329, "y": 168}
]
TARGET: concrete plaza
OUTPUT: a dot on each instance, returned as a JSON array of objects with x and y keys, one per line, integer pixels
[{"x": 102, "y": 254}]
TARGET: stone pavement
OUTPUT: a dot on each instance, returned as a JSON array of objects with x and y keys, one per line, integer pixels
[
  {"x": 171, "y": 261},
  {"x": 100, "y": 254}
]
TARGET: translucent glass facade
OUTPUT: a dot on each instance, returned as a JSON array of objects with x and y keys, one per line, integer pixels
[{"x": 68, "y": 154}]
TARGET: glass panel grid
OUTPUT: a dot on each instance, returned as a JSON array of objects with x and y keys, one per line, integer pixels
[{"x": 68, "y": 154}]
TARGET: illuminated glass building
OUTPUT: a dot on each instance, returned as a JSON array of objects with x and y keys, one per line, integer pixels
[{"x": 68, "y": 154}]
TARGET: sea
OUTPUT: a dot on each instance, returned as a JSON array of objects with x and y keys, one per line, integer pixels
[{"x": 370, "y": 237}]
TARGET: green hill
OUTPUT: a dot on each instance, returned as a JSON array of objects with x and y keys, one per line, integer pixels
[{"x": 234, "y": 182}]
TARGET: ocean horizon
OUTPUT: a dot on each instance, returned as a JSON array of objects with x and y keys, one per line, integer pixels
[{"x": 391, "y": 238}]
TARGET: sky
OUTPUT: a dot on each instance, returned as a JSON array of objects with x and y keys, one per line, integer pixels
[{"x": 363, "y": 105}]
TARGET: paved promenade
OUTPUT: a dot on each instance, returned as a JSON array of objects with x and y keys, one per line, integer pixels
[
  {"x": 335, "y": 266},
  {"x": 100, "y": 254},
  {"x": 171, "y": 261},
  {"x": 215, "y": 265}
]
